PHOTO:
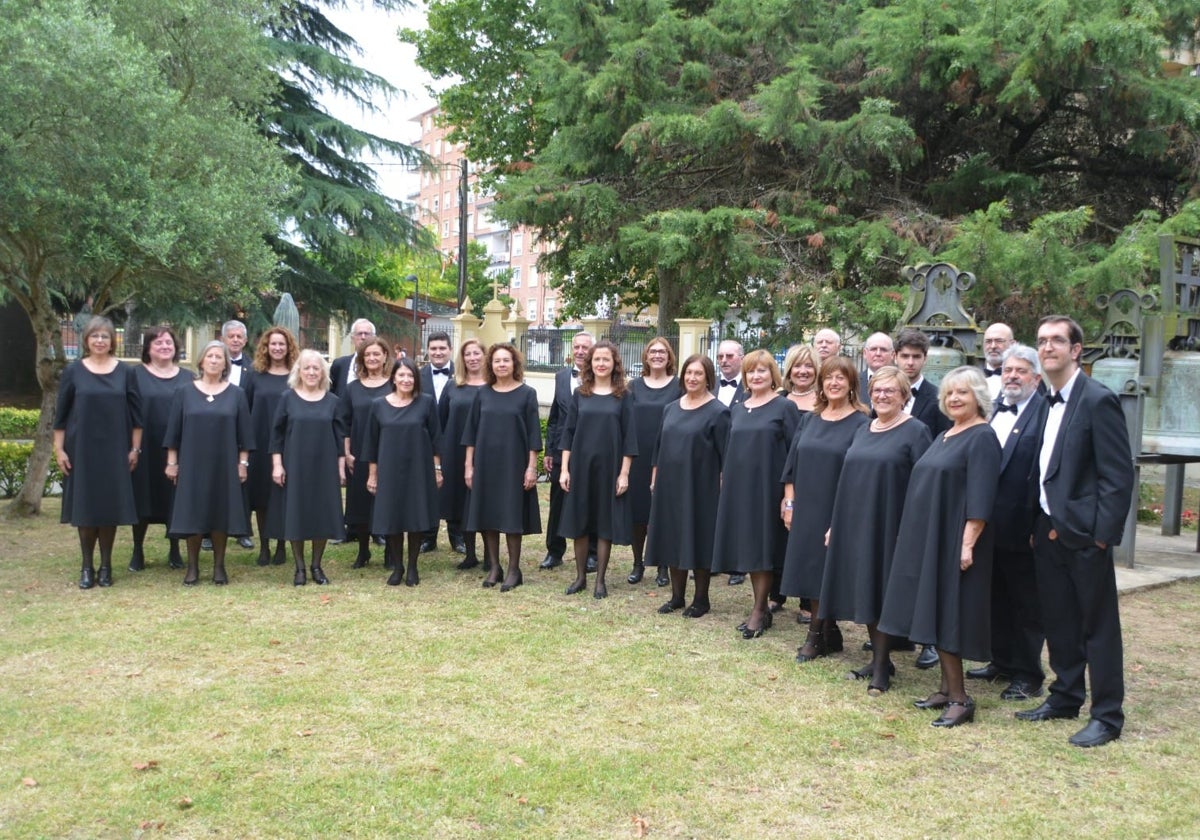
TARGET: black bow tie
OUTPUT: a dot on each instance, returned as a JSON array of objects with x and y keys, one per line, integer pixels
[
  {"x": 1004, "y": 407},
  {"x": 991, "y": 371},
  {"x": 240, "y": 362},
  {"x": 441, "y": 371},
  {"x": 574, "y": 373},
  {"x": 730, "y": 383},
  {"x": 1056, "y": 399}
]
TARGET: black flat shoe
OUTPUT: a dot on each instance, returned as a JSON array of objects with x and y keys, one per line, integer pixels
[
  {"x": 279, "y": 557},
  {"x": 104, "y": 576},
  {"x": 636, "y": 575},
  {"x": 1047, "y": 712},
  {"x": 937, "y": 700},
  {"x": 413, "y": 578},
  {"x": 87, "y": 578},
  {"x": 264, "y": 557},
  {"x": 137, "y": 562},
  {"x": 576, "y": 587},
  {"x": 299, "y": 578},
  {"x": 509, "y": 586},
  {"x": 600, "y": 592},
  {"x": 696, "y": 609},
  {"x": 318, "y": 576},
  {"x": 946, "y": 721},
  {"x": 670, "y": 606},
  {"x": 221, "y": 579},
  {"x": 662, "y": 578},
  {"x": 467, "y": 564},
  {"x": 191, "y": 581},
  {"x": 1095, "y": 734},
  {"x": 592, "y": 563},
  {"x": 396, "y": 576},
  {"x": 174, "y": 561},
  {"x": 550, "y": 561},
  {"x": 927, "y": 658}
]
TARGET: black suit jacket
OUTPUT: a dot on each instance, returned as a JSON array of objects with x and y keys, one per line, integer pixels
[
  {"x": 1089, "y": 480},
  {"x": 557, "y": 421},
  {"x": 1015, "y": 507},
  {"x": 339, "y": 371},
  {"x": 925, "y": 408},
  {"x": 443, "y": 404},
  {"x": 739, "y": 393}
]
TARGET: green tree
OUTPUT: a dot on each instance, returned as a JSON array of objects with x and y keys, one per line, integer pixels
[
  {"x": 793, "y": 155},
  {"x": 140, "y": 179}
]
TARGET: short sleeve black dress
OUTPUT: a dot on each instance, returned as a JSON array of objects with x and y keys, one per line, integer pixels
[
  {"x": 151, "y": 487},
  {"x": 402, "y": 442},
  {"x": 503, "y": 427},
  {"x": 928, "y": 598},
  {"x": 648, "y": 405},
  {"x": 355, "y": 408},
  {"x": 750, "y": 535},
  {"x": 263, "y": 392},
  {"x": 98, "y": 413},
  {"x": 689, "y": 454},
  {"x": 458, "y": 401},
  {"x": 599, "y": 432},
  {"x": 814, "y": 464},
  {"x": 208, "y": 433},
  {"x": 866, "y": 516},
  {"x": 308, "y": 434}
]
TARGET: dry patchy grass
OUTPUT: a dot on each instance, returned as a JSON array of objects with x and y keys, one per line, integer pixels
[{"x": 264, "y": 710}]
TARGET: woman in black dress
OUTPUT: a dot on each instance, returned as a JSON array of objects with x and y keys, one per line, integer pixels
[
  {"x": 652, "y": 392},
  {"x": 274, "y": 357},
  {"x": 372, "y": 364},
  {"x": 871, "y": 490},
  {"x": 208, "y": 440},
  {"x": 158, "y": 378},
  {"x": 308, "y": 463},
  {"x": 97, "y": 441},
  {"x": 750, "y": 533},
  {"x": 686, "y": 483},
  {"x": 404, "y": 469},
  {"x": 502, "y": 439},
  {"x": 469, "y": 377},
  {"x": 814, "y": 463},
  {"x": 599, "y": 444},
  {"x": 939, "y": 589}
]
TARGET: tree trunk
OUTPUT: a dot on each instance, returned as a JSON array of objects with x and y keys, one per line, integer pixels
[
  {"x": 50, "y": 364},
  {"x": 672, "y": 295}
]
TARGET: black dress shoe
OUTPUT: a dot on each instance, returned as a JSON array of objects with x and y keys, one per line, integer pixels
[
  {"x": 1095, "y": 734},
  {"x": 927, "y": 658},
  {"x": 318, "y": 576},
  {"x": 670, "y": 606},
  {"x": 264, "y": 557},
  {"x": 1021, "y": 690},
  {"x": 662, "y": 578},
  {"x": 947, "y": 720},
  {"x": 137, "y": 562},
  {"x": 87, "y": 577},
  {"x": 696, "y": 609},
  {"x": 246, "y": 543},
  {"x": 737, "y": 579},
  {"x": 1047, "y": 712},
  {"x": 459, "y": 546},
  {"x": 428, "y": 546},
  {"x": 591, "y": 563},
  {"x": 550, "y": 561},
  {"x": 512, "y": 583},
  {"x": 206, "y": 544},
  {"x": 174, "y": 560},
  {"x": 378, "y": 540},
  {"x": 639, "y": 572},
  {"x": 467, "y": 563},
  {"x": 104, "y": 576},
  {"x": 988, "y": 672}
]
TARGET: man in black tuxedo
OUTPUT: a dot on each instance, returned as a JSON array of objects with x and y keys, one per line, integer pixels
[
  {"x": 878, "y": 352},
  {"x": 729, "y": 390},
  {"x": 1084, "y": 484},
  {"x": 342, "y": 370},
  {"x": 435, "y": 376},
  {"x": 1017, "y": 636},
  {"x": 997, "y": 338},
  {"x": 912, "y": 351},
  {"x": 565, "y": 383}
]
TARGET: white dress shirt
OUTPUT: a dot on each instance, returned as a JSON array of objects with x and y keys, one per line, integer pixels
[{"x": 1054, "y": 420}]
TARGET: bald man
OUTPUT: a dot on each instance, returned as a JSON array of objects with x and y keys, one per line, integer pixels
[
  {"x": 878, "y": 352},
  {"x": 996, "y": 339}
]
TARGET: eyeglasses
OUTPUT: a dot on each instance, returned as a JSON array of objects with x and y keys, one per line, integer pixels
[
  {"x": 884, "y": 392},
  {"x": 990, "y": 341},
  {"x": 1056, "y": 340},
  {"x": 363, "y": 334}
]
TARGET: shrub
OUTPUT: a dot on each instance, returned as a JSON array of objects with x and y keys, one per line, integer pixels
[
  {"x": 14, "y": 457},
  {"x": 18, "y": 423}
]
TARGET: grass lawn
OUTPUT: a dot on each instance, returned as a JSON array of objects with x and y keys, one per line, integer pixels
[{"x": 448, "y": 710}]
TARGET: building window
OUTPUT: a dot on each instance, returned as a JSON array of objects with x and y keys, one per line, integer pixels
[
  {"x": 533, "y": 276},
  {"x": 531, "y": 309},
  {"x": 515, "y": 281},
  {"x": 550, "y": 309},
  {"x": 518, "y": 244},
  {"x": 446, "y": 228},
  {"x": 436, "y": 205},
  {"x": 470, "y": 223}
]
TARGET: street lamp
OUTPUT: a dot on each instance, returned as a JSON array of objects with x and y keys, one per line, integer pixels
[{"x": 412, "y": 278}]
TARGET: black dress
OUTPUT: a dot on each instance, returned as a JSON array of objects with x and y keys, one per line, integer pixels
[
  {"x": 648, "y": 405},
  {"x": 689, "y": 454},
  {"x": 599, "y": 432},
  {"x": 928, "y": 598},
  {"x": 402, "y": 442},
  {"x": 866, "y": 517},
  {"x": 208, "y": 433},
  {"x": 309, "y": 436},
  {"x": 263, "y": 391},
  {"x": 750, "y": 533},
  {"x": 813, "y": 465},
  {"x": 98, "y": 413},
  {"x": 355, "y": 408},
  {"x": 503, "y": 427},
  {"x": 458, "y": 401},
  {"x": 151, "y": 487}
]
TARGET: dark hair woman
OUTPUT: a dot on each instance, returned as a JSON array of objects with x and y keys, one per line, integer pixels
[
  {"x": 274, "y": 357},
  {"x": 373, "y": 368}
]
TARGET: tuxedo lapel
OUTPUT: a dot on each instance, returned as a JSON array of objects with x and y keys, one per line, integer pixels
[{"x": 1077, "y": 397}]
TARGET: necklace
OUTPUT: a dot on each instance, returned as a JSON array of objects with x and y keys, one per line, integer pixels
[
  {"x": 876, "y": 426},
  {"x": 807, "y": 393}
]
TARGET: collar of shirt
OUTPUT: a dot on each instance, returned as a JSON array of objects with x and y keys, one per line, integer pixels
[{"x": 1065, "y": 391}]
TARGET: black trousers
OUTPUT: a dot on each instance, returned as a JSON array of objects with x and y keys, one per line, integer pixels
[
  {"x": 1017, "y": 635},
  {"x": 1077, "y": 591}
]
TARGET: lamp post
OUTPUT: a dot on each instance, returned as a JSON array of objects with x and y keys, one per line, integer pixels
[{"x": 416, "y": 281}]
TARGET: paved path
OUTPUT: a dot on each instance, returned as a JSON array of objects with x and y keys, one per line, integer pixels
[{"x": 1159, "y": 560}]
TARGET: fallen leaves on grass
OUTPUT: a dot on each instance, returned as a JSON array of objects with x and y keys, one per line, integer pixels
[
  {"x": 29, "y": 782},
  {"x": 641, "y": 827},
  {"x": 141, "y": 766},
  {"x": 152, "y": 825},
  {"x": 304, "y": 733},
  {"x": 184, "y": 802}
]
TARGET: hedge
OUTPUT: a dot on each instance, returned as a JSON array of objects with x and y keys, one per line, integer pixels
[
  {"x": 18, "y": 423},
  {"x": 13, "y": 459}
]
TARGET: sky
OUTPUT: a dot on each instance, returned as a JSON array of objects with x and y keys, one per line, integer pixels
[{"x": 375, "y": 31}]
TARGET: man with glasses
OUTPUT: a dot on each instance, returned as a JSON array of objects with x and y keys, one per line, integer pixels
[
  {"x": 729, "y": 365},
  {"x": 1084, "y": 485},
  {"x": 996, "y": 339},
  {"x": 343, "y": 370},
  {"x": 1017, "y": 636},
  {"x": 878, "y": 352}
]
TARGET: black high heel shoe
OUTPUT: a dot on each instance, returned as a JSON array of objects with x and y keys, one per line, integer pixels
[
  {"x": 318, "y": 576},
  {"x": 813, "y": 647},
  {"x": 510, "y": 586},
  {"x": 966, "y": 716},
  {"x": 492, "y": 579},
  {"x": 937, "y": 700},
  {"x": 764, "y": 625},
  {"x": 662, "y": 578},
  {"x": 104, "y": 576},
  {"x": 639, "y": 572},
  {"x": 87, "y": 577},
  {"x": 361, "y": 561}
]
